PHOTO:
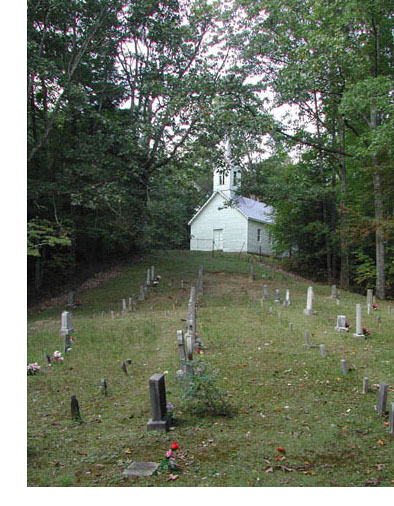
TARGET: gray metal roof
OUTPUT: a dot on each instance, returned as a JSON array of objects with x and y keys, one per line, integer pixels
[{"x": 254, "y": 210}]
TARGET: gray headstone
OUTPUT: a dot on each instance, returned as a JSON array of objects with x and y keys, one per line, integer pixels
[
  {"x": 265, "y": 292},
  {"x": 277, "y": 296},
  {"x": 124, "y": 308},
  {"x": 140, "y": 469},
  {"x": 309, "y": 302},
  {"x": 148, "y": 277},
  {"x": 75, "y": 413},
  {"x": 181, "y": 346},
  {"x": 124, "y": 368},
  {"x": 291, "y": 328},
  {"x": 333, "y": 291},
  {"x": 382, "y": 398},
  {"x": 365, "y": 385},
  {"x": 158, "y": 403},
  {"x": 103, "y": 386},
  {"x": 307, "y": 336},
  {"x": 344, "y": 368},
  {"x": 142, "y": 293},
  {"x": 71, "y": 300},
  {"x": 369, "y": 297},
  {"x": 323, "y": 350},
  {"x": 391, "y": 420}
]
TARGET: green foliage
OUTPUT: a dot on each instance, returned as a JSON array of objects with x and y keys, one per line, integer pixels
[
  {"x": 42, "y": 232},
  {"x": 202, "y": 394}
]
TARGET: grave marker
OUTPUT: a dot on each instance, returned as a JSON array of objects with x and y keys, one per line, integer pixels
[
  {"x": 323, "y": 350},
  {"x": 369, "y": 297},
  {"x": 341, "y": 323},
  {"x": 75, "y": 413},
  {"x": 141, "y": 296},
  {"x": 307, "y": 335},
  {"x": 124, "y": 308},
  {"x": 391, "y": 421},
  {"x": 277, "y": 296},
  {"x": 382, "y": 398},
  {"x": 291, "y": 328},
  {"x": 309, "y": 301},
  {"x": 365, "y": 385},
  {"x": 344, "y": 367},
  {"x": 265, "y": 292},
  {"x": 71, "y": 300},
  {"x": 66, "y": 330},
  {"x": 103, "y": 386},
  {"x": 286, "y": 302},
  {"x": 359, "y": 329},
  {"x": 152, "y": 272},
  {"x": 334, "y": 292},
  {"x": 181, "y": 346},
  {"x": 158, "y": 403},
  {"x": 124, "y": 368}
]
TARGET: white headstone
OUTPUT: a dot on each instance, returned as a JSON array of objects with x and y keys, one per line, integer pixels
[
  {"x": 309, "y": 302},
  {"x": 277, "y": 296},
  {"x": 369, "y": 297},
  {"x": 359, "y": 329},
  {"x": 323, "y": 350},
  {"x": 148, "y": 277},
  {"x": 341, "y": 323},
  {"x": 334, "y": 291},
  {"x": 286, "y": 302},
  {"x": 265, "y": 292},
  {"x": 344, "y": 368}
]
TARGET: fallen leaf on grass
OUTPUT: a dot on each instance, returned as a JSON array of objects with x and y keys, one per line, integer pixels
[
  {"x": 269, "y": 470},
  {"x": 372, "y": 483},
  {"x": 172, "y": 477},
  {"x": 386, "y": 424},
  {"x": 128, "y": 451},
  {"x": 381, "y": 443}
]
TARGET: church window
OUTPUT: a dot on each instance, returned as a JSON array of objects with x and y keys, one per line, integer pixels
[
  {"x": 221, "y": 178},
  {"x": 235, "y": 178},
  {"x": 258, "y": 235}
]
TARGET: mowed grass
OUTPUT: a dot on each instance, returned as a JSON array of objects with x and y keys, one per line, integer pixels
[{"x": 283, "y": 395}]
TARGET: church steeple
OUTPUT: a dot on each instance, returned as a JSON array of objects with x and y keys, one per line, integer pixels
[{"x": 228, "y": 180}]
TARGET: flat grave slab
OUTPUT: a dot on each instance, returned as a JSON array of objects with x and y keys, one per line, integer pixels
[{"x": 140, "y": 469}]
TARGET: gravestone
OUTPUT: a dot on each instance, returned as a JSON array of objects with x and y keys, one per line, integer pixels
[
  {"x": 181, "y": 346},
  {"x": 137, "y": 469},
  {"x": 334, "y": 291},
  {"x": 286, "y": 302},
  {"x": 369, "y": 297},
  {"x": 112, "y": 314},
  {"x": 341, "y": 323},
  {"x": 75, "y": 413},
  {"x": 265, "y": 292},
  {"x": 291, "y": 328},
  {"x": 344, "y": 367},
  {"x": 359, "y": 329},
  {"x": 147, "y": 277},
  {"x": 309, "y": 301},
  {"x": 391, "y": 420},
  {"x": 71, "y": 298},
  {"x": 189, "y": 345},
  {"x": 365, "y": 385},
  {"x": 307, "y": 336},
  {"x": 141, "y": 295},
  {"x": 277, "y": 296},
  {"x": 323, "y": 350},
  {"x": 124, "y": 308},
  {"x": 103, "y": 386},
  {"x": 66, "y": 329},
  {"x": 158, "y": 403},
  {"x": 382, "y": 398},
  {"x": 152, "y": 272},
  {"x": 124, "y": 368},
  {"x": 368, "y": 309}
]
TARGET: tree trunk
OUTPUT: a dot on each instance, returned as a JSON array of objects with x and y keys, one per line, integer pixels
[
  {"x": 380, "y": 249},
  {"x": 344, "y": 276}
]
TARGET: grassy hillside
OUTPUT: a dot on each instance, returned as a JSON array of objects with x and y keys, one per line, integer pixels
[{"x": 296, "y": 420}]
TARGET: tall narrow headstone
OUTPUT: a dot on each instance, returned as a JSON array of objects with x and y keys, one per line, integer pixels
[
  {"x": 391, "y": 420},
  {"x": 307, "y": 335},
  {"x": 189, "y": 345},
  {"x": 365, "y": 385},
  {"x": 382, "y": 398},
  {"x": 344, "y": 368},
  {"x": 158, "y": 403},
  {"x": 309, "y": 302},
  {"x": 181, "y": 346},
  {"x": 323, "y": 350},
  {"x": 124, "y": 308},
  {"x": 333, "y": 291},
  {"x": 147, "y": 277},
  {"x": 369, "y": 297},
  {"x": 277, "y": 296},
  {"x": 124, "y": 367},
  {"x": 286, "y": 302},
  {"x": 359, "y": 329},
  {"x": 341, "y": 323},
  {"x": 66, "y": 329},
  {"x": 142, "y": 293},
  {"x": 291, "y": 328},
  {"x": 265, "y": 292},
  {"x": 75, "y": 413},
  {"x": 152, "y": 272},
  {"x": 103, "y": 386},
  {"x": 71, "y": 300}
]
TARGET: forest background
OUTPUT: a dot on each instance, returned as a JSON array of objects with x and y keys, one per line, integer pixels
[{"x": 129, "y": 104}]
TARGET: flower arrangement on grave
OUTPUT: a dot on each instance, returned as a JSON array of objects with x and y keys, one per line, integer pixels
[
  {"x": 33, "y": 368},
  {"x": 169, "y": 462},
  {"x": 366, "y": 332},
  {"x": 57, "y": 357},
  {"x": 156, "y": 281},
  {"x": 347, "y": 326},
  {"x": 375, "y": 307}
]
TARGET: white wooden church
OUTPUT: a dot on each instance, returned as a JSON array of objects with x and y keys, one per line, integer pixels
[{"x": 230, "y": 222}]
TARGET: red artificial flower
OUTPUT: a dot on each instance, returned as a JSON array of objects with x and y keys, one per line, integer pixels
[
  {"x": 174, "y": 446},
  {"x": 375, "y": 306},
  {"x": 198, "y": 351},
  {"x": 281, "y": 450}
]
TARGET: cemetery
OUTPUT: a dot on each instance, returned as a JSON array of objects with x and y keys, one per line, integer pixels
[{"x": 194, "y": 370}]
